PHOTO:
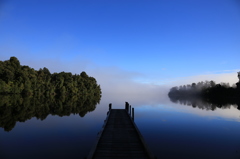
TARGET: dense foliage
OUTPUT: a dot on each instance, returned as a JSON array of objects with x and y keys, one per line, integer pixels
[
  {"x": 16, "y": 108},
  {"x": 17, "y": 79},
  {"x": 208, "y": 91}
]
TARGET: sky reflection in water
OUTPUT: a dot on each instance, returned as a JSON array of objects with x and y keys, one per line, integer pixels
[
  {"x": 171, "y": 130},
  {"x": 179, "y": 133}
]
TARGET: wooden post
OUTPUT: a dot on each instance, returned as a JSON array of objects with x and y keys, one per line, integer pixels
[
  {"x": 133, "y": 114},
  {"x": 130, "y": 111},
  {"x": 127, "y": 106},
  {"x": 110, "y": 106}
]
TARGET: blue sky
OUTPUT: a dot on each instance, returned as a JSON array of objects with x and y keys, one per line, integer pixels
[{"x": 125, "y": 41}]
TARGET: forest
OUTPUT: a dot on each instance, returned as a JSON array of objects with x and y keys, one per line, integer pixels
[
  {"x": 218, "y": 94},
  {"x": 18, "y": 79}
]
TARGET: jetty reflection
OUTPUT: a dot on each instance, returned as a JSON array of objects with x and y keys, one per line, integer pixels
[{"x": 16, "y": 108}]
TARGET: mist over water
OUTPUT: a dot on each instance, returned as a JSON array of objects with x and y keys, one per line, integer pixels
[
  {"x": 146, "y": 96},
  {"x": 136, "y": 95}
]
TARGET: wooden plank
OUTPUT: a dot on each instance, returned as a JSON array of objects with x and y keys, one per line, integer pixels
[{"x": 119, "y": 138}]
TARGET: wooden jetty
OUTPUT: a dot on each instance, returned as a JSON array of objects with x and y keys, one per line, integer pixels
[{"x": 120, "y": 137}]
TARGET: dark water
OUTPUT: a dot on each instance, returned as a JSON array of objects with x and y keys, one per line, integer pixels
[{"x": 171, "y": 130}]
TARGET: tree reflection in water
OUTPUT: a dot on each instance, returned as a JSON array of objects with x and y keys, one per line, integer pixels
[
  {"x": 206, "y": 103},
  {"x": 16, "y": 108}
]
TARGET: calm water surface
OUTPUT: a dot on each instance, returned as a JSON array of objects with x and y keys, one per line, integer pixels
[{"x": 171, "y": 131}]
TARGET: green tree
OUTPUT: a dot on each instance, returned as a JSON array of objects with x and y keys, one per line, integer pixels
[{"x": 16, "y": 79}]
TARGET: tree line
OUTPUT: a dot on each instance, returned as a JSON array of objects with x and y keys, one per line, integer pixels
[
  {"x": 18, "y": 79},
  {"x": 209, "y": 91}
]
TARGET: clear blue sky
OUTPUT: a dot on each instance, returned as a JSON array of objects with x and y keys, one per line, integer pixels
[{"x": 144, "y": 40}]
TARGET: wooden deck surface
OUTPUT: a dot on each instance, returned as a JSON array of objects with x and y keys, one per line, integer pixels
[{"x": 120, "y": 139}]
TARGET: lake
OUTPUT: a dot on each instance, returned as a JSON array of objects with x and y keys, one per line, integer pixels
[{"x": 171, "y": 130}]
